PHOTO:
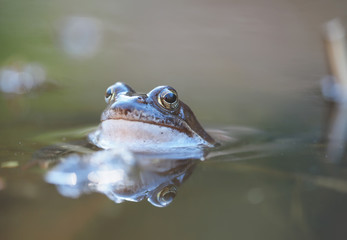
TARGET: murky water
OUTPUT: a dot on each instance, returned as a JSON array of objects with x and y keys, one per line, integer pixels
[{"x": 249, "y": 68}]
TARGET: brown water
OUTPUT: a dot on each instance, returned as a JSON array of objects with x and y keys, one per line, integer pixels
[{"x": 235, "y": 63}]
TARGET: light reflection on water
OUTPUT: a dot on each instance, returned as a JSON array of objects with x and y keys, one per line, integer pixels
[{"x": 122, "y": 176}]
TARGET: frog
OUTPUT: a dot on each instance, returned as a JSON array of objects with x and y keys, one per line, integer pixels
[
  {"x": 145, "y": 147},
  {"x": 155, "y": 120}
]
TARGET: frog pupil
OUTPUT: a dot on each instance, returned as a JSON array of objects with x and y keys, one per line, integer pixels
[{"x": 170, "y": 97}]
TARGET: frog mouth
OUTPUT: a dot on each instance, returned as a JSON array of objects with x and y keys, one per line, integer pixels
[
  {"x": 140, "y": 136},
  {"x": 140, "y": 130},
  {"x": 141, "y": 116}
]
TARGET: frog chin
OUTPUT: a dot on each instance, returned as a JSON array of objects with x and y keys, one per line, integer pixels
[{"x": 141, "y": 136}]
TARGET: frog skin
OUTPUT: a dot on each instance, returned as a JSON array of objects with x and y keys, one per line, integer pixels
[{"x": 156, "y": 120}]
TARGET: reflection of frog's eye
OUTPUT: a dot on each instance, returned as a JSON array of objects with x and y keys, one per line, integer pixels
[
  {"x": 108, "y": 94},
  {"x": 166, "y": 195},
  {"x": 168, "y": 99}
]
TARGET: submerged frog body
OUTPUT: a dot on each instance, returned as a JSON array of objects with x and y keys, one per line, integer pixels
[{"x": 153, "y": 121}]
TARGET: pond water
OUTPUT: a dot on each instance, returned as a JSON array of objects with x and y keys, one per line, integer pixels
[{"x": 249, "y": 68}]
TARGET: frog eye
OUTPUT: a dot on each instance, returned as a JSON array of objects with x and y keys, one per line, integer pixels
[
  {"x": 168, "y": 98},
  {"x": 108, "y": 94},
  {"x": 117, "y": 88},
  {"x": 166, "y": 195}
]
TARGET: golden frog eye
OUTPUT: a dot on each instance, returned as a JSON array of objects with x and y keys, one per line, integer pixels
[
  {"x": 109, "y": 93},
  {"x": 168, "y": 99}
]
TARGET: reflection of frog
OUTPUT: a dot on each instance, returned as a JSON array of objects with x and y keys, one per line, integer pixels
[
  {"x": 122, "y": 176},
  {"x": 156, "y": 120}
]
